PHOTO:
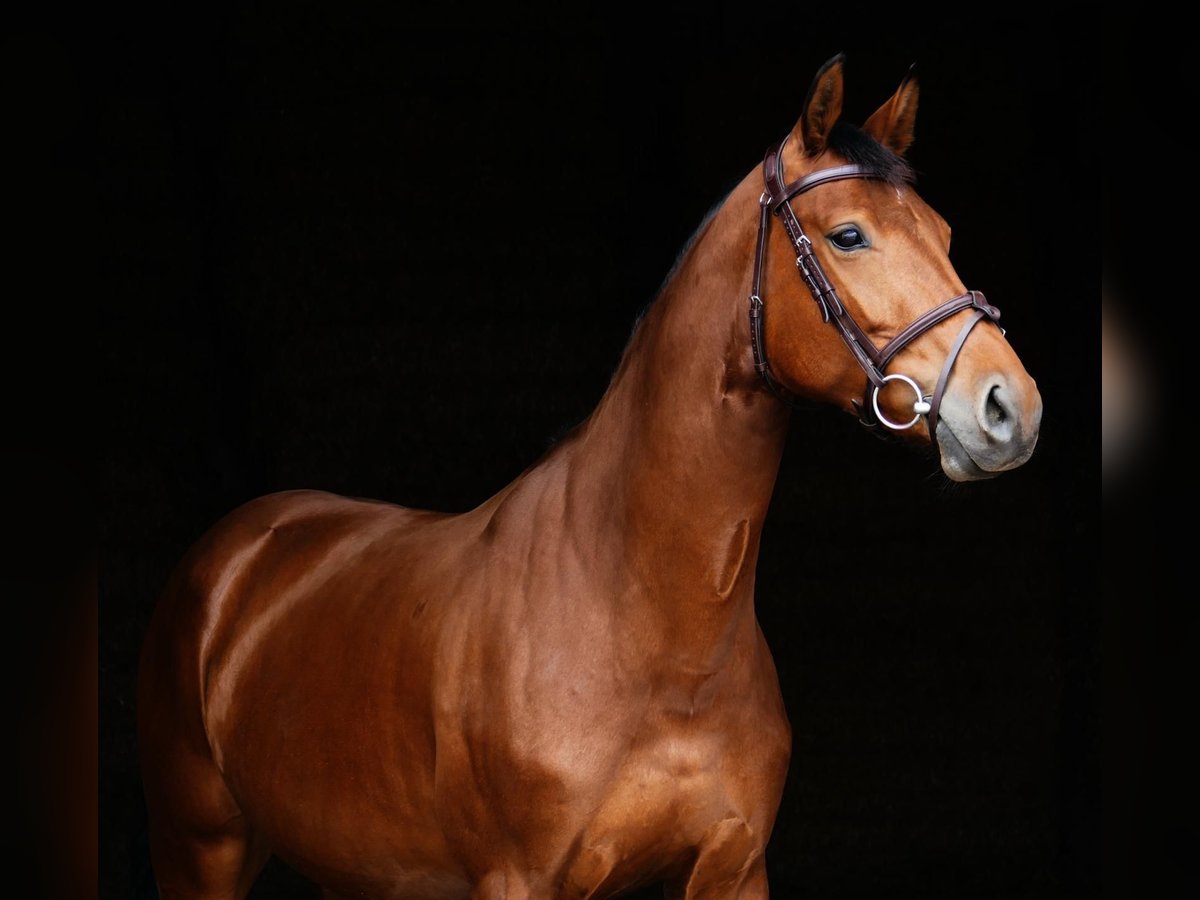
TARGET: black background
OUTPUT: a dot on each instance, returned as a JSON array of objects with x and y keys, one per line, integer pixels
[
  {"x": 1151, "y": 620},
  {"x": 397, "y": 260}
]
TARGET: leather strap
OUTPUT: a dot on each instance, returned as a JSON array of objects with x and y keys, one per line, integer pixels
[
  {"x": 807, "y": 262},
  {"x": 936, "y": 315},
  {"x": 935, "y": 402},
  {"x": 819, "y": 177},
  {"x": 757, "y": 339}
]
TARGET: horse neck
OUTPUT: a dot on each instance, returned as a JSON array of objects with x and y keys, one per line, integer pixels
[{"x": 679, "y": 459}]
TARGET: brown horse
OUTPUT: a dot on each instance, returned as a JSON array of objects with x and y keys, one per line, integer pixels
[{"x": 563, "y": 692}]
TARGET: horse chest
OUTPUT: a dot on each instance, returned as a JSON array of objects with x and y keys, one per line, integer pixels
[
  {"x": 673, "y": 790},
  {"x": 675, "y": 777}
]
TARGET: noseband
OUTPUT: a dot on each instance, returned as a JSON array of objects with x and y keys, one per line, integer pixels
[{"x": 873, "y": 360}]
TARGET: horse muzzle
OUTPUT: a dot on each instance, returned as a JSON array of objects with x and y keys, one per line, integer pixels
[{"x": 990, "y": 428}]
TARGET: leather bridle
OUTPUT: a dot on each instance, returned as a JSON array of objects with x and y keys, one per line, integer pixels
[{"x": 776, "y": 199}]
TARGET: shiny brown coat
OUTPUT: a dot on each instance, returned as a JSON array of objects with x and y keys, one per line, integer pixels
[{"x": 563, "y": 693}]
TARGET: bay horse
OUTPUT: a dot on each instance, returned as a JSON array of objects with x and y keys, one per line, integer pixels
[{"x": 565, "y": 693}]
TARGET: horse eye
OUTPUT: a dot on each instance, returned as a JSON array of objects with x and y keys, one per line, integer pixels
[{"x": 849, "y": 238}]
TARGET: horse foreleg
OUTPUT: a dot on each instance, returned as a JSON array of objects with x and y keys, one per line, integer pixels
[
  {"x": 502, "y": 885},
  {"x": 754, "y": 883},
  {"x": 749, "y": 883},
  {"x": 729, "y": 864}
]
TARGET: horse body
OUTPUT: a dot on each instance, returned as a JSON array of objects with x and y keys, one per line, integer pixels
[
  {"x": 406, "y": 703},
  {"x": 561, "y": 693}
]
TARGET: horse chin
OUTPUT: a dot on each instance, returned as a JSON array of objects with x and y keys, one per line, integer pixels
[{"x": 956, "y": 461}]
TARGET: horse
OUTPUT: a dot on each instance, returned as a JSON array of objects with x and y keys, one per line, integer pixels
[{"x": 565, "y": 692}]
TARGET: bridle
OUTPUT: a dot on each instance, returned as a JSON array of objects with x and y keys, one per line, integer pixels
[{"x": 776, "y": 198}]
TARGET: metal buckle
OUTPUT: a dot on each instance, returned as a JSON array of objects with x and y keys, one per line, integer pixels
[{"x": 920, "y": 407}]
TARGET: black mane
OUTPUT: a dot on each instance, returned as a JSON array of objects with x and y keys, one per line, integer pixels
[{"x": 861, "y": 149}]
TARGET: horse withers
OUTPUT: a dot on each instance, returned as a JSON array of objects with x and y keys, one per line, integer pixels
[{"x": 565, "y": 693}]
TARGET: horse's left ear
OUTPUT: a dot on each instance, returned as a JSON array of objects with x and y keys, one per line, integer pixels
[
  {"x": 892, "y": 124},
  {"x": 822, "y": 107}
]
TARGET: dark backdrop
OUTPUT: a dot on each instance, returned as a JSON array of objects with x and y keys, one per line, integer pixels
[
  {"x": 1151, "y": 619},
  {"x": 397, "y": 261}
]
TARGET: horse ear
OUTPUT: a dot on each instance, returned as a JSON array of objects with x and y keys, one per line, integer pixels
[
  {"x": 893, "y": 123},
  {"x": 822, "y": 108}
]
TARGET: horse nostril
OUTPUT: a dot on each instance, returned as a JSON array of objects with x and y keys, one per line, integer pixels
[
  {"x": 997, "y": 417},
  {"x": 995, "y": 411}
]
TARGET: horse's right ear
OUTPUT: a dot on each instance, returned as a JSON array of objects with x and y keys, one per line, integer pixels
[
  {"x": 892, "y": 124},
  {"x": 822, "y": 107}
]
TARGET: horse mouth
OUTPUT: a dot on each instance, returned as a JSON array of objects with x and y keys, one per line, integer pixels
[{"x": 957, "y": 462}]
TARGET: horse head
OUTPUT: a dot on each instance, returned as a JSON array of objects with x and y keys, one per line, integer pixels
[{"x": 883, "y": 254}]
